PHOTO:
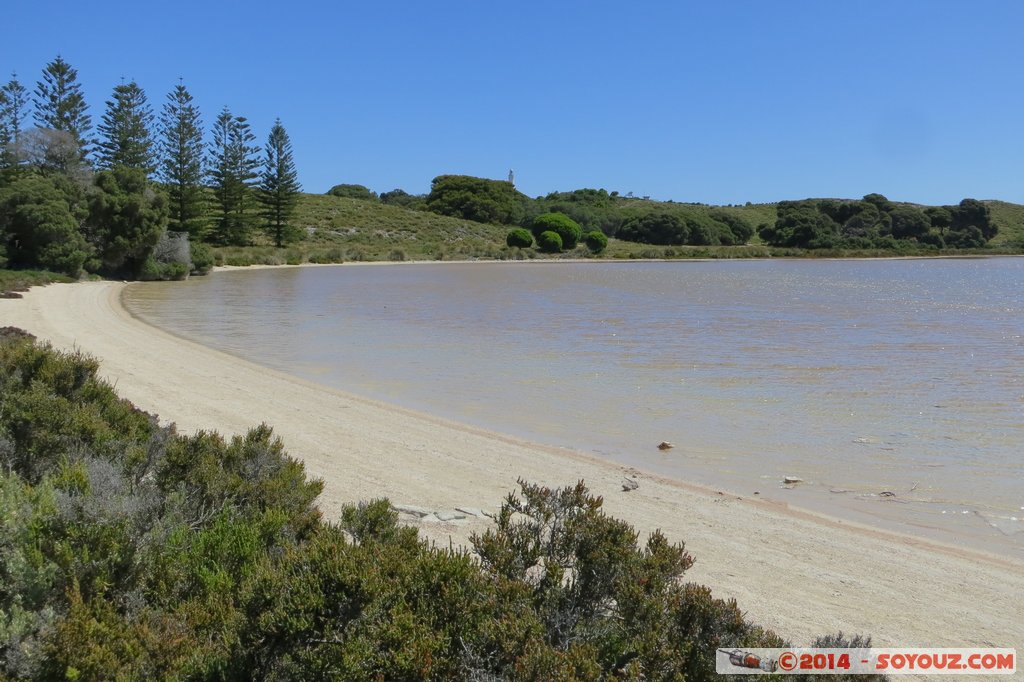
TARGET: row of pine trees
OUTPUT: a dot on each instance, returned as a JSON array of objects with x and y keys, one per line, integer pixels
[{"x": 217, "y": 192}]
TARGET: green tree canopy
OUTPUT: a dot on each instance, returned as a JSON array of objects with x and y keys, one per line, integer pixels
[
  {"x": 477, "y": 199},
  {"x": 866, "y": 222},
  {"x": 279, "y": 186},
  {"x": 13, "y": 101},
  {"x": 234, "y": 163},
  {"x": 593, "y": 209},
  {"x": 801, "y": 223},
  {"x": 973, "y": 213},
  {"x": 909, "y": 222},
  {"x": 60, "y": 104},
  {"x": 399, "y": 197},
  {"x": 125, "y": 137},
  {"x": 127, "y": 217},
  {"x": 40, "y": 217},
  {"x": 656, "y": 227},
  {"x": 182, "y": 167},
  {"x": 353, "y": 192},
  {"x": 940, "y": 217}
]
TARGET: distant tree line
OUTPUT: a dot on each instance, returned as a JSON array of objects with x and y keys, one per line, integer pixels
[
  {"x": 75, "y": 199},
  {"x": 593, "y": 211},
  {"x": 875, "y": 222}
]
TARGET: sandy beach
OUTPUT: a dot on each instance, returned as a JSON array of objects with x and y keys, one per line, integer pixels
[{"x": 798, "y": 573}]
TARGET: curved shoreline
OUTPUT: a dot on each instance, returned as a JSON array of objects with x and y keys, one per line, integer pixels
[{"x": 795, "y": 571}]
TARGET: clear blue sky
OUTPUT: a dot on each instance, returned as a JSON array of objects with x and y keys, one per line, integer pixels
[{"x": 714, "y": 101}]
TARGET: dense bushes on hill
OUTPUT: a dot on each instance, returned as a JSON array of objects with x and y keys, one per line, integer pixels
[
  {"x": 478, "y": 199},
  {"x": 876, "y": 222},
  {"x": 519, "y": 238},
  {"x": 130, "y": 551},
  {"x": 596, "y": 241},
  {"x": 565, "y": 227},
  {"x": 353, "y": 192},
  {"x": 549, "y": 242}
]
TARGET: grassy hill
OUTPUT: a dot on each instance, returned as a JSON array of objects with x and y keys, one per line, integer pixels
[
  {"x": 1010, "y": 219},
  {"x": 342, "y": 229}
]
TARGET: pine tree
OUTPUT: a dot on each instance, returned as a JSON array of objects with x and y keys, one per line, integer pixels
[
  {"x": 60, "y": 104},
  {"x": 233, "y": 163},
  {"x": 181, "y": 162},
  {"x": 125, "y": 132},
  {"x": 279, "y": 186},
  {"x": 13, "y": 100}
]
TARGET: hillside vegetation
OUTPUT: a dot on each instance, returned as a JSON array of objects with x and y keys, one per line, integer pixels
[
  {"x": 342, "y": 228},
  {"x": 1010, "y": 219}
]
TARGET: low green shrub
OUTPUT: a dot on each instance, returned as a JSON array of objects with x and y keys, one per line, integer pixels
[
  {"x": 567, "y": 229},
  {"x": 152, "y": 270},
  {"x": 519, "y": 238},
  {"x": 596, "y": 241},
  {"x": 202, "y": 258},
  {"x": 549, "y": 242}
]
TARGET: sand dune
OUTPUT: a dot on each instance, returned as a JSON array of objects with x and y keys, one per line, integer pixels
[{"x": 798, "y": 573}]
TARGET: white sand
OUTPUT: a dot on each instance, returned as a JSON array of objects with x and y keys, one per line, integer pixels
[{"x": 798, "y": 573}]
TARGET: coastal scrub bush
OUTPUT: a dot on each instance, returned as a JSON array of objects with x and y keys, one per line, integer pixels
[
  {"x": 39, "y": 219},
  {"x": 202, "y": 258},
  {"x": 477, "y": 199},
  {"x": 350, "y": 191},
  {"x": 596, "y": 241},
  {"x": 153, "y": 270},
  {"x": 519, "y": 238},
  {"x": 127, "y": 216},
  {"x": 130, "y": 551},
  {"x": 567, "y": 229},
  {"x": 549, "y": 242}
]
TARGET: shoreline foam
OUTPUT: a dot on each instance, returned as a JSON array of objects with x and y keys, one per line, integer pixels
[{"x": 795, "y": 571}]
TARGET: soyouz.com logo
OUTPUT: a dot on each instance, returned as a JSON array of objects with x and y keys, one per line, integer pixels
[{"x": 903, "y": 661}]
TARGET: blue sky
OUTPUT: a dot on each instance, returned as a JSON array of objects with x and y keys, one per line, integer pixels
[{"x": 716, "y": 101}]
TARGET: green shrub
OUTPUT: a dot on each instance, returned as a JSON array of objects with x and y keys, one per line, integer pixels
[
  {"x": 519, "y": 238},
  {"x": 202, "y": 258},
  {"x": 567, "y": 229},
  {"x": 151, "y": 271},
  {"x": 40, "y": 218},
  {"x": 353, "y": 192},
  {"x": 596, "y": 241},
  {"x": 549, "y": 242}
]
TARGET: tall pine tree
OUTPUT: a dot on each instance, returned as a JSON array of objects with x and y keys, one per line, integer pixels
[
  {"x": 60, "y": 104},
  {"x": 279, "y": 185},
  {"x": 13, "y": 100},
  {"x": 125, "y": 138},
  {"x": 182, "y": 165},
  {"x": 233, "y": 164}
]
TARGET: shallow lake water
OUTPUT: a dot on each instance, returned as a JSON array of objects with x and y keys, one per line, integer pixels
[{"x": 893, "y": 388}]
